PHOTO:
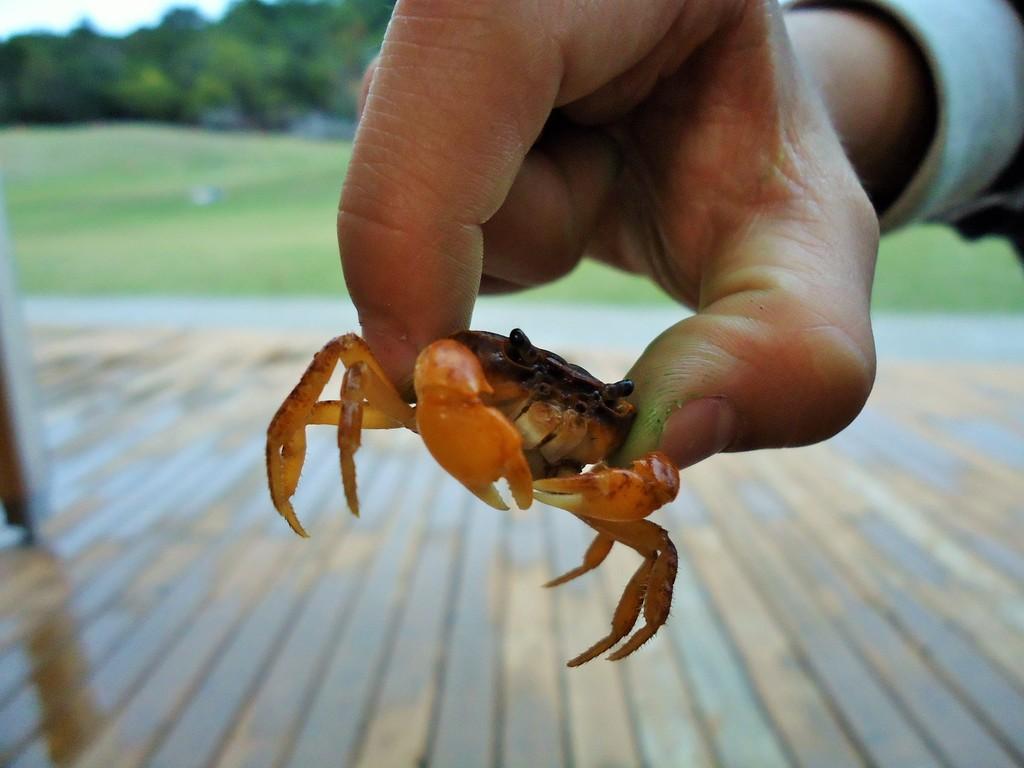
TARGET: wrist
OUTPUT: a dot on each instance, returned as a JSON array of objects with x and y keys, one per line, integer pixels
[{"x": 876, "y": 87}]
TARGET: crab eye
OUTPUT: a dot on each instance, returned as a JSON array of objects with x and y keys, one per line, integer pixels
[
  {"x": 519, "y": 348},
  {"x": 518, "y": 339},
  {"x": 619, "y": 389}
]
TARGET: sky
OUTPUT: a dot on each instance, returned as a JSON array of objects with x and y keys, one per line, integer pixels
[{"x": 110, "y": 16}]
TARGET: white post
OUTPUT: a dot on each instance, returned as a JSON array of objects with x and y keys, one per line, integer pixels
[{"x": 23, "y": 466}]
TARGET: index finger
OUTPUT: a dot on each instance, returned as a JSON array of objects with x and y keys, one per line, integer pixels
[
  {"x": 445, "y": 128},
  {"x": 461, "y": 92}
]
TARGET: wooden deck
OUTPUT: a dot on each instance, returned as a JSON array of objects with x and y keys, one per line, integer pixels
[{"x": 855, "y": 603}]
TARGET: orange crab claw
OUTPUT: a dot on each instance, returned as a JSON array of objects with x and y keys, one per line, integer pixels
[
  {"x": 473, "y": 442},
  {"x": 610, "y": 493}
]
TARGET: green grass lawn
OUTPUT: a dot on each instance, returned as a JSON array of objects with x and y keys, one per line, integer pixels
[{"x": 107, "y": 210}]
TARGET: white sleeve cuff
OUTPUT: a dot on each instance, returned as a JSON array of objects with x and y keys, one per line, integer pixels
[{"x": 975, "y": 49}]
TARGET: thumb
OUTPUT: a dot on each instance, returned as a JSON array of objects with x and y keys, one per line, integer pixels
[{"x": 785, "y": 359}]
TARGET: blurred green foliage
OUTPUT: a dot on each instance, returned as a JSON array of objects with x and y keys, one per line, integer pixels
[
  {"x": 262, "y": 65},
  {"x": 148, "y": 209}
]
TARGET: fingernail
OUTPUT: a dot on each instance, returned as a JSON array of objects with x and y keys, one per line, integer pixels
[{"x": 699, "y": 429}]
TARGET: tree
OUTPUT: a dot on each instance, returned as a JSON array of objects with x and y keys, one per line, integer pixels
[
  {"x": 269, "y": 62},
  {"x": 150, "y": 94}
]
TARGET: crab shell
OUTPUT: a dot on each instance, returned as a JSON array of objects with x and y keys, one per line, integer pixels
[
  {"x": 490, "y": 408},
  {"x": 566, "y": 417}
]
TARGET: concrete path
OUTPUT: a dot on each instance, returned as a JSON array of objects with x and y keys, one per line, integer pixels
[{"x": 907, "y": 337}]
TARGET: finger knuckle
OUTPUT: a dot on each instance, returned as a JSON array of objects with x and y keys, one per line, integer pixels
[
  {"x": 839, "y": 368},
  {"x": 434, "y": 16}
]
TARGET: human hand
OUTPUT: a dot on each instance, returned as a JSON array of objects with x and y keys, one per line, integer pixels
[{"x": 685, "y": 145}]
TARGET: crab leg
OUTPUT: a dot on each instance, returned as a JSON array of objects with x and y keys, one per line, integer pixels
[
  {"x": 324, "y": 412},
  {"x": 352, "y": 414},
  {"x": 286, "y": 450},
  {"x": 625, "y": 616},
  {"x": 594, "y": 556},
  {"x": 657, "y": 601},
  {"x": 612, "y": 493},
  {"x": 473, "y": 442},
  {"x": 650, "y": 588},
  {"x": 614, "y": 501},
  {"x": 328, "y": 412},
  {"x": 350, "y": 429},
  {"x": 293, "y": 456}
]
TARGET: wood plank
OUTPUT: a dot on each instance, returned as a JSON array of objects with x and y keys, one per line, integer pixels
[
  {"x": 85, "y": 594},
  {"x": 947, "y": 724},
  {"x": 347, "y": 682},
  {"x": 264, "y": 732},
  {"x": 976, "y": 576},
  {"x": 465, "y": 728},
  {"x": 115, "y": 678},
  {"x": 922, "y": 529},
  {"x": 417, "y": 638},
  {"x": 972, "y": 520},
  {"x": 531, "y": 708},
  {"x": 600, "y": 724},
  {"x": 990, "y": 440},
  {"x": 107, "y": 436},
  {"x": 972, "y": 425},
  {"x": 661, "y": 704},
  {"x": 398, "y": 730},
  {"x": 987, "y": 689},
  {"x": 155, "y": 453},
  {"x": 166, "y": 476},
  {"x": 800, "y": 713},
  {"x": 148, "y": 441},
  {"x": 982, "y": 489},
  {"x": 214, "y": 705},
  {"x": 870, "y": 714},
  {"x": 889, "y": 441},
  {"x": 57, "y": 696},
  {"x": 995, "y": 552},
  {"x": 466, "y": 732},
  {"x": 736, "y": 725},
  {"x": 128, "y": 735},
  {"x": 25, "y": 671}
]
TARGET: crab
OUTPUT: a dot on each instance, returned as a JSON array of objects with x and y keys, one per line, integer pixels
[{"x": 490, "y": 407}]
